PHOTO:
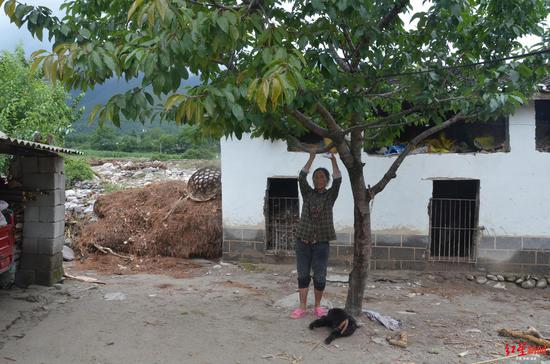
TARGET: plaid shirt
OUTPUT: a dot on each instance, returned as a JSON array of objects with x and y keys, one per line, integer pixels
[{"x": 316, "y": 221}]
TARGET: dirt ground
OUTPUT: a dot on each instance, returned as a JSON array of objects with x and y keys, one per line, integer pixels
[{"x": 197, "y": 312}]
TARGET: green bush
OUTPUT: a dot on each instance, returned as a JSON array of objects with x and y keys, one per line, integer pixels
[{"x": 77, "y": 169}]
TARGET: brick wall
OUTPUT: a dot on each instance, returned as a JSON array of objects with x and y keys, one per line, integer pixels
[{"x": 44, "y": 221}]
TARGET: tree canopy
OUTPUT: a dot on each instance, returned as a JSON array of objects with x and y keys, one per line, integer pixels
[
  {"x": 28, "y": 104},
  {"x": 263, "y": 61}
]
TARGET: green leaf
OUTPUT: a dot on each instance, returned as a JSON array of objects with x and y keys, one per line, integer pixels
[
  {"x": 109, "y": 61},
  {"x": 266, "y": 56},
  {"x": 275, "y": 91},
  {"x": 252, "y": 89},
  {"x": 222, "y": 23},
  {"x": 229, "y": 95},
  {"x": 93, "y": 113},
  {"x": 231, "y": 17},
  {"x": 493, "y": 104},
  {"x": 9, "y": 8},
  {"x": 133, "y": 8},
  {"x": 96, "y": 59},
  {"x": 161, "y": 8},
  {"x": 209, "y": 105},
  {"x": 85, "y": 33},
  {"x": 237, "y": 111},
  {"x": 518, "y": 99},
  {"x": 149, "y": 98},
  {"x": 514, "y": 76},
  {"x": 172, "y": 100},
  {"x": 524, "y": 71},
  {"x": 262, "y": 94}
]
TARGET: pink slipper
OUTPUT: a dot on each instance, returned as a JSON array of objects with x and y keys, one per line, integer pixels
[
  {"x": 298, "y": 313},
  {"x": 319, "y": 311}
]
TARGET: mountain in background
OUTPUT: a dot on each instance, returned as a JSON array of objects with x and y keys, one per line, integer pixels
[{"x": 102, "y": 93}]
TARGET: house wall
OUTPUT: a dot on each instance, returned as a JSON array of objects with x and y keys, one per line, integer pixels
[
  {"x": 44, "y": 221},
  {"x": 513, "y": 205}
]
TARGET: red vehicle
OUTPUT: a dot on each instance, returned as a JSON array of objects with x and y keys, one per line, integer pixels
[{"x": 7, "y": 241}]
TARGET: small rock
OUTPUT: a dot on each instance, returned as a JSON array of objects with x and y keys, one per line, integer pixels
[
  {"x": 520, "y": 280},
  {"x": 342, "y": 278},
  {"x": 58, "y": 286},
  {"x": 227, "y": 274},
  {"x": 379, "y": 340},
  {"x": 510, "y": 278},
  {"x": 470, "y": 277},
  {"x": 474, "y": 331},
  {"x": 433, "y": 351},
  {"x": 68, "y": 254},
  {"x": 115, "y": 296},
  {"x": 500, "y": 278},
  {"x": 530, "y": 283},
  {"x": 217, "y": 266},
  {"x": 542, "y": 283},
  {"x": 492, "y": 277},
  {"x": 500, "y": 285},
  {"x": 481, "y": 280}
]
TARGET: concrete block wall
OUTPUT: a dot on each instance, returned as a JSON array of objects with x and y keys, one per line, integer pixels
[
  {"x": 44, "y": 221},
  {"x": 405, "y": 252}
]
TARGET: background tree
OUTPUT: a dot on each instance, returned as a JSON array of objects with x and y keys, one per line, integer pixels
[
  {"x": 28, "y": 104},
  {"x": 345, "y": 70}
]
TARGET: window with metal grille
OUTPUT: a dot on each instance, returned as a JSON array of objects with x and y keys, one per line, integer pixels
[
  {"x": 282, "y": 215},
  {"x": 454, "y": 216}
]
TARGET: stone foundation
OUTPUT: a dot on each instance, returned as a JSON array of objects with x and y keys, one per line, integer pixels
[{"x": 406, "y": 252}]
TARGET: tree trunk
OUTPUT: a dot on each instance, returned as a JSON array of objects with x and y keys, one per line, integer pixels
[{"x": 362, "y": 244}]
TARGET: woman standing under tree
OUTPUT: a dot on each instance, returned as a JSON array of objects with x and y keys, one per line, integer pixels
[{"x": 315, "y": 230}]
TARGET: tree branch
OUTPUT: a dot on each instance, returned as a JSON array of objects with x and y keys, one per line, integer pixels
[
  {"x": 382, "y": 122},
  {"x": 327, "y": 117},
  {"x": 384, "y": 22},
  {"x": 213, "y": 5},
  {"x": 308, "y": 123},
  {"x": 295, "y": 142},
  {"x": 341, "y": 62},
  {"x": 391, "y": 173}
]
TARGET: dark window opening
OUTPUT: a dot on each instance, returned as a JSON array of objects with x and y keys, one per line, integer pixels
[
  {"x": 454, "y": 217},
  {"x": 282, "y": 214},
  {"x": 474, "y": 137},
  {"x": 542, "y": 125},
  {"x": 309, "y": 140}
]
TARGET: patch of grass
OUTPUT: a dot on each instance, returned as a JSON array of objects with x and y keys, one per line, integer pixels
[
  {"x": 190, "y": 154},
  {"x": 113, "y": 187},
  {"x": 77, "y": 169}
]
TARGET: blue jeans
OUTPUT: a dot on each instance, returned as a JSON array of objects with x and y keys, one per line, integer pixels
[{"x": 312, "y": 256}]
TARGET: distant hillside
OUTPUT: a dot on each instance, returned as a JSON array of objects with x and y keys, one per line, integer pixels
[{"x": 101, "y": 93}]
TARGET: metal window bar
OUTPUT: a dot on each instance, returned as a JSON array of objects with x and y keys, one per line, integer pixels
[
  {"x": 282, "y": 224},
  {"x": 453, "y": 230}
]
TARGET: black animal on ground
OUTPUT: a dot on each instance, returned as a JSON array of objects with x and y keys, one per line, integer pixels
[{"x": 341, "y": 323}]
